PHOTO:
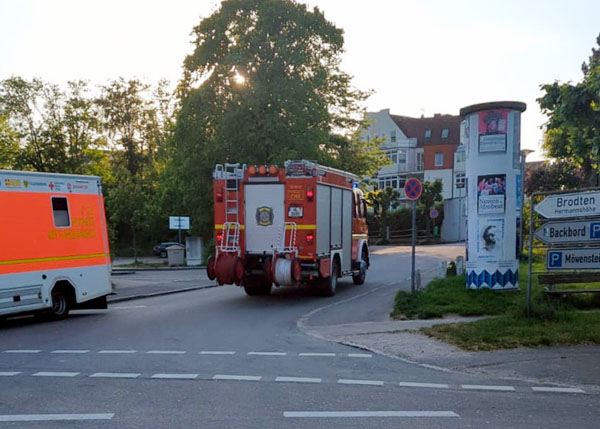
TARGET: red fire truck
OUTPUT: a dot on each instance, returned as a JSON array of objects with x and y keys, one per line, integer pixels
[{"x": 300, "y": 224}]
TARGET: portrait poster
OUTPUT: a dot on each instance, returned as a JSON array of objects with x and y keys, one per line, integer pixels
[
  {"x": 493, "y": 130},
  {"x": 491, "y": 194},
  {"x": 490, "y": 238}
]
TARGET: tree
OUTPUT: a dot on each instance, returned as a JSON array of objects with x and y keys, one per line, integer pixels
[
  {"x": 560, "y": 175},
  {"x": 55, "y": 130},
  {"x": 572, "y": 132},
  {"x": 9, "y": 144},
  {"x": 432, "y": 193},
  {"x": 264, "y": 85},
  {"x": 383, "y": 201}
]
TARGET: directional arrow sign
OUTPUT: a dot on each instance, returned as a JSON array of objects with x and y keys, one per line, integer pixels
[
  {"x": 570, "y": 205},
  {"x": 583, "y": 231},
  {"x": 573, "y": 259}
]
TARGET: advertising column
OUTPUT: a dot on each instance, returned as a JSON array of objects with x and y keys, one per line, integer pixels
[{"x": 493, "y": 181}]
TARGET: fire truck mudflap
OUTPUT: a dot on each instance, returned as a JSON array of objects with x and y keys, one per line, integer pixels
[{"x": 300, "y": 224}]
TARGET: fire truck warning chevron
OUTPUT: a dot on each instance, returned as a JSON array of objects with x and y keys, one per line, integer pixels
[
  {"x": 302, "y": 223},
  {"x": 55, "y": 255}
]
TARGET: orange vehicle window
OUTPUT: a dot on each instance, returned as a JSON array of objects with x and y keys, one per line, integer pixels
[{"x": 60, "y": 209}]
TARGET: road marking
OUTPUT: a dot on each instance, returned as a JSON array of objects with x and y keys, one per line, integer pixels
[
  {"x": 117, "y": 351},
  {"x": 9, "y": 373},
  {"x": 558, "y": 389},
  {"x": 165, "y": 352},
  {"x": 298, "y": 379},
  {"x": 70, "y": 351},
  {"x": 359, "y": 355},
  {"x": 176, "y": 376},
  {"x": 127, "y": 307},
  {"x": 354, "y": 414},
  {"x": 115, "y": 375},
  {"x": 22, "y": 351},
  {"x": 55, "y": 374},
  {"x": 486, "y": 387},
  {"x": 362, "y": 382},
  {"x": 237, "y": 377},
  {"x": 216, "y": 352},
  {"x": 53, "y": 417},
  {"x": 317, "y": 354},
  {"x": 429, "y": 385},
  {"x": 267, "y": 353}
]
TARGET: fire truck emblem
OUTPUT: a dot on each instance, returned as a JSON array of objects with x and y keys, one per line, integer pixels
[{"x": 264, "y": 216}]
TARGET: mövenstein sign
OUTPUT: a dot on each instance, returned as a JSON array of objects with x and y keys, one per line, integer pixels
[
  {"x": 573, "y": 259},
  {"x": 493, "y": 166}
]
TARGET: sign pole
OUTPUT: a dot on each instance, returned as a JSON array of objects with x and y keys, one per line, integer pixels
[
  {"x": 414, "y": 239},
  {"x": 530, "y": 267}
]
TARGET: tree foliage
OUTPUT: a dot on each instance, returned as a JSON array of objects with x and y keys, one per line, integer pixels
[
  {"x": 572, "y": 132},
  {"x": 560, "y": 175},
  {"x": 263, "y": 85}
]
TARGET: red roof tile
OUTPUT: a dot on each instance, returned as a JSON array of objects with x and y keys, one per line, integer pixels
[{"x": 415, "y": 128}]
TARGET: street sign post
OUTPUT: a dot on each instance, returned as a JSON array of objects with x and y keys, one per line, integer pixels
[
  {"x": 581, "y": 258},
  {"x": 413, "y": 189},
  {"x": 582, "y": 204},
  {"x": 179, "y": 223},
  {"x": 569, "y": 232}
]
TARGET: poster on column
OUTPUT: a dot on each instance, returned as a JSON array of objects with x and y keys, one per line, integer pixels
[
  {"x": 491, "y": 194},
  {"x": 490, "y": 240},
  {"x": 492, "y": 131}
]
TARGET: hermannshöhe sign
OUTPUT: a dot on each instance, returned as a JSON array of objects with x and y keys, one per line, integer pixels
[{"x": 581, "y": 204}]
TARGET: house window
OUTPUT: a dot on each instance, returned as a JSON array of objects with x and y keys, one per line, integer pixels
[
  {"x": 394, "y": 182},
  {"x": 392, "y": 156},
  {"x": 401, "y": 183},
  {"x": 420, "y": 164},
  {"x": 60, "y": 210},
  {"x": 460, "y": 156},
  {"x": 401, "y": 157},
  {"x": 460, "y": 180},
  {"x": 439, "y": 159},
  {"x": 427, "y": 134},
  {"x": 444, "y": 133},
  {"x": 393, "y": 136}
]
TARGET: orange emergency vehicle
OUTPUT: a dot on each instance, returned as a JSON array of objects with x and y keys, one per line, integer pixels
[
  {"x": 54, "y": 254},
  {"x": 302, "y": 223}
]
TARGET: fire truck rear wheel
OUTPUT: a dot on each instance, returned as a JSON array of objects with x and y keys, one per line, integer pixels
[
  {"x": 360, "y": 278},
  {"x": 254, "y": 286},
  {"x": 329, "y": 285}
]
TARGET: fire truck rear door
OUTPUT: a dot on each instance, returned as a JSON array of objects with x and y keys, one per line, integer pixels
[{"x": 265, "y": 214}]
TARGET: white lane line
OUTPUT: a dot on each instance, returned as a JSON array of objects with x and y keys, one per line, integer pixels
[
  {"x": 486, "y": 387},
  {"x": 115, "y": 375},
  {"x": 70, "y": 351},
  {"x": 317, "y": 354},
  {"x": 165, "y": 352},
  {"x": 267, "y": 353},
  {"x": 558, "y": 389},
  {"x": 360, "y": 355},
  {"x": 22, "y": 351},
  {"x": 9, "y": 373},
  {"x": 298, "y": 379},
  {"x": 216, "y": 352},
  {"x": 237, "y": 377},
  {"x": 354, "y": 414},
  {"x": 117, "y": 352},
  {"x": 361, "y": 382},
  {"x": 53, "y": 417},
  {"x": 55, "y": 374},
  {"x": 175, "y": 376},
  {"x": 429, "y": 385}
]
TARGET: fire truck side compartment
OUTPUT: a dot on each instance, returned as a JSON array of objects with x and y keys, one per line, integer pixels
[
  {"x": 268, "y": 197},
  {"x": 334, "y": 229}
]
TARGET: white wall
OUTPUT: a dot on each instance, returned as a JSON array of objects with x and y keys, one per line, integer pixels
[{"x": 445, "y": 176}]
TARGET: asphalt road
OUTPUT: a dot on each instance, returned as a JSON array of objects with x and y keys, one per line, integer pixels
[{"x": 215, "y": 358}]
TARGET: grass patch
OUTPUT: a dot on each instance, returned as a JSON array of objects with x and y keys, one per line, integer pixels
[
  {"x": 511, "y": 331},
  {"x": 568, "y": 319}
]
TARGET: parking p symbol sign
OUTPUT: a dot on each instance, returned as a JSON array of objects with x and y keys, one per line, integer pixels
[
  {"x": 594, "y": 230},
  {"x": 554, "y": 259}
]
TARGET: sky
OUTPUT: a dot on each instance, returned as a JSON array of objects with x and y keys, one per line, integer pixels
[{"x": 419, "y": 57}]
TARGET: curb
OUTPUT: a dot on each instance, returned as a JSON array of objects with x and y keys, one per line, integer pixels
[{"x": 150, "y": 295}]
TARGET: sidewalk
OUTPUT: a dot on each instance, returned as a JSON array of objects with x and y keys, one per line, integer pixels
[
  {"x": 566, "y": 365},
  {"x": 129, "y": 285}
]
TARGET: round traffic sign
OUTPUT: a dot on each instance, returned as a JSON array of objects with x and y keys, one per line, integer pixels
[
  {"x": 434, "y": 213},
  {"x": 413, "y": 188}
]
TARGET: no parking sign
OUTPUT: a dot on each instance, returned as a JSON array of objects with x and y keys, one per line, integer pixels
[{"x": 413, "y": 189}]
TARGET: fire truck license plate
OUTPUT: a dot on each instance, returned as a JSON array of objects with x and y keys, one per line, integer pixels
[{"x": 295, "y": 212}]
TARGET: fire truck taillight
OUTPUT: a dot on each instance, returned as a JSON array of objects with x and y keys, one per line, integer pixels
[
  {"x": 252, "y": 170},
  {"x": 273, "y": 170},
  {"x": 310, "y": 237},
  {"x": 310, "y": 194},
  {"x": 220, "y": 196},
  {"x": 219, "y": 238}
]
